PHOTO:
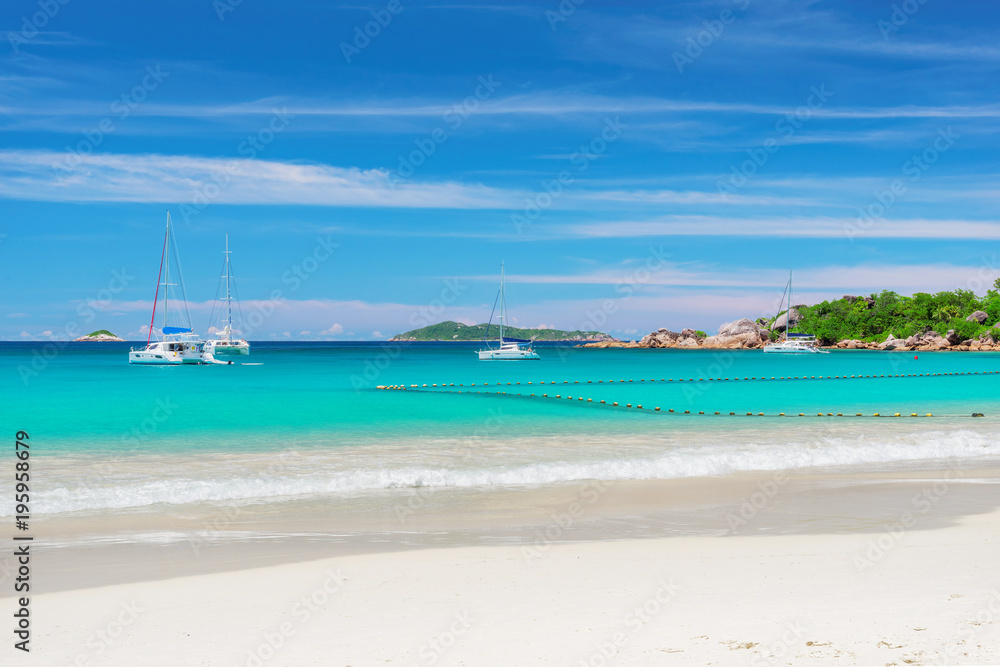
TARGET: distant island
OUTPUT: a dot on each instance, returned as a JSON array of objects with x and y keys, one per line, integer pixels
[
  {"x": 956, "y": 320},
  {"x": 101, "y": 336},
  {"x": 456, "y": 331}
]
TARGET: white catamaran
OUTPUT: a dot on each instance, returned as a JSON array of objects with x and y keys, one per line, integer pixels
[
  {"x": 177, "y": 345},
  {"x": 224, "y": 343},
  {"x": 510, "y": 349},
  {"x": 791, "y": 342}
]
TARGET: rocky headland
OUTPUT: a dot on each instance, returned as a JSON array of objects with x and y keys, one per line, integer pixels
[{"x": 746, "y": 334}]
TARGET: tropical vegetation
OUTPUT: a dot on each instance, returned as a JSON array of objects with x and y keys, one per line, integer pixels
[{"x": 878, "y": 315}]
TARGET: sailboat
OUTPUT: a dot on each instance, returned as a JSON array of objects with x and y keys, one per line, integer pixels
[
  {"x": 510, "y": 349},
  {"x": 791, "y": 342},
  {"x": 224, "y": 343},
  {"x": 178, "y": 345}
]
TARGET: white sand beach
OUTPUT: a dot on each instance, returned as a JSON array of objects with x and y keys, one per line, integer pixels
[{"x": 878, "y": 594}]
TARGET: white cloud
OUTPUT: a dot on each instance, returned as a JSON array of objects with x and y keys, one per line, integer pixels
[
  {"x": 51, "y": 176},
  {"x": 332, "y": 331},
  {"x": 801, "y": 227}
]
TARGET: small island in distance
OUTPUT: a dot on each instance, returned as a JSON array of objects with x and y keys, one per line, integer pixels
[
  {"x": 99, "y": 336},
  {"x": 456, "y": 331}
]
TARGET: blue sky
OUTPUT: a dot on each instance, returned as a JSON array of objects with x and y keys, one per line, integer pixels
[{"x": 636, "y": 165}]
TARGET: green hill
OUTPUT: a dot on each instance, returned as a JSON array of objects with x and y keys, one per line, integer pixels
[{"x": 456, "y": 331}]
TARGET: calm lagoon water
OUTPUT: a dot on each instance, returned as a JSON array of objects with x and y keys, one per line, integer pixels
[{"x": 300, "y": 419}]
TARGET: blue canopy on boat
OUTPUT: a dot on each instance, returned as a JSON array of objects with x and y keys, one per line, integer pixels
[
  {"x": 175, "y": 330},
  {"x": 515, "y": 340}
]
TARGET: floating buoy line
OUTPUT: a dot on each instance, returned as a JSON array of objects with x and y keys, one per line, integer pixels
[{"x": 447, "y": 387}]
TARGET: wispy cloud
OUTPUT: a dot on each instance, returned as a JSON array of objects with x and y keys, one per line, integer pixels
[
  {"x": 52, "y": 176},
  {"x": 790, "y": 227}
]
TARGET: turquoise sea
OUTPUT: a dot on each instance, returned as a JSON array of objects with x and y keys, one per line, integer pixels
[{"x": 305, "y": 419}]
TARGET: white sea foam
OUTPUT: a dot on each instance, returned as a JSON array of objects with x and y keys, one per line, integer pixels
[{"x": 255, "y": 478}]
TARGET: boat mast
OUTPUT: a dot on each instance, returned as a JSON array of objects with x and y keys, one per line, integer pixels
[
  {"x": 166, "y": 274},
  {"x": 229, "y": 299},
  {"x": 501, "y": 303},
  {"x": 788, "y": 313},
  {"x": 159, "y": 276}
]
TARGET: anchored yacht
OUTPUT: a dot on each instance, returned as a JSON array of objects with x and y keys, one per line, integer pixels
[
  {"x": 177, "y": 345},
  {"x": 790, "y": 342},
  {"x": 225, "y": 343},
  {"x": 509, "y": 349}
]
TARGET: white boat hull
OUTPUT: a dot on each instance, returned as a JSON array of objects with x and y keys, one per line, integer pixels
[
  {"x": 792, "y": 348},
  {"x": 162, "y": 359},
  {"x": 173, "y": 351},
  {"x": 223, "y": 349},
  {"x": 507, "y": 355}
]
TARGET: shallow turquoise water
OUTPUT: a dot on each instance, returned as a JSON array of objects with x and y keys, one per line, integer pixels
[
  {"x": 89, "y": 398},
  {"x": 306, "y": 419}
]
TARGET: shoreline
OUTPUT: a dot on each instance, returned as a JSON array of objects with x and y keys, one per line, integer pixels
[
  {"x": 117, "y": 547},
  {"x": 918, "y": 594}
]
